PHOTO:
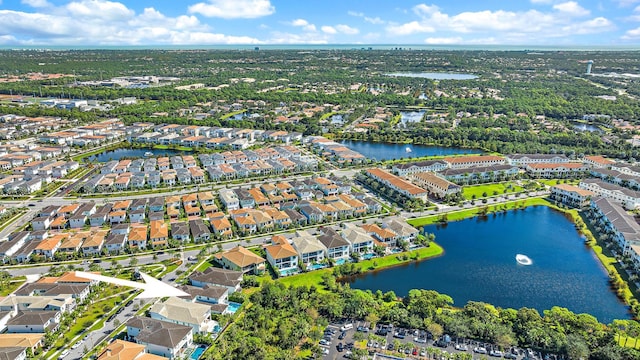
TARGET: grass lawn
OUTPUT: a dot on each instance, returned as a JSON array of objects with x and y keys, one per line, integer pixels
[
  {"x": 15, "y": 283},
  {"x": 552, "y": 182},
  {"x": 489, "y": 189},
  {"x": 465, "y": 214},
  {"x": 315, "y": 277}
]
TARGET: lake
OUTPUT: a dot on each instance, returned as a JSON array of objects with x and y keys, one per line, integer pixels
[
  {"x": 435, "y": 76},
  {"x": 479, "y": 264},
  {"x": 129, "y": 153},
  {"x": 388, "y": 151}
]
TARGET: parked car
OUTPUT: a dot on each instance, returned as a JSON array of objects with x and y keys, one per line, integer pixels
[
  {"x": 496, "y": 353},
  {"x": 461, "y": 347},
  {"x": 340, "y": 347},
  {"x": 479, "y": 350},
  {"x": 342, "y": 335}
]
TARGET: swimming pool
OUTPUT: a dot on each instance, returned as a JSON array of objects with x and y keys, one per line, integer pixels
[
  {"x": 315, "y": 266},
  {"x": 195, "y": 355},
  {"x": 233, "y": 307},
  {"x": 340, "y": 261},
  {"x": 368, "y": 256},
  {"x": 287, "y": 272}
]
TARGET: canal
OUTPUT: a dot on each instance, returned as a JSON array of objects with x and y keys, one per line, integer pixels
[{"x": 129, "y": 153}]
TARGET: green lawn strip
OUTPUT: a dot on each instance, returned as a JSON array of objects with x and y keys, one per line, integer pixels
[
  {"x": 327, "y": 115},
  {"x": 167, "y": 147},
  {"x": 12, "y": 286},
  {"x": 15, "y": 217},
  {"x": 552, "y": 182},
  {"x": 489, "y": 189},
  {"x": 95, "y": 313},
  {"x": 469, "y": 213},
  {"x": 315, "y": 277}
]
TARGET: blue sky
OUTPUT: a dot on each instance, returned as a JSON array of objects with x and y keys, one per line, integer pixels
[{"x": 208, "y": 22}]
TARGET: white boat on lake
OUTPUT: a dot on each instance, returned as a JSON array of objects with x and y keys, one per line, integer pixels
[
  {"x": 523, "y": 259},
  {"x": 408, "y": 149},
  {"x": 148, "y": 154}
]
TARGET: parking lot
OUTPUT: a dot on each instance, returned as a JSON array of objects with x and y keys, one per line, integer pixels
[{"x": 339, "y": 339}]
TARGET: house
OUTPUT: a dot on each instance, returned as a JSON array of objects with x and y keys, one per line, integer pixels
[
  {"x": 405, "y": 169},
  {"x": 241, "y": 259},
  {"x": 361, "y": 242},
  {"x": 156, "y": 204},
  {"x": 178, "y": 311},
  {"x": 221, "y": 227},
  {"x": 337, "y": 246},
  {"x": 34, "y": 321},
  {"x": 158, "y": 233},
  {"x": 385, "y": 236},
  {"x": 571, "y": 195},
  {"x": 62, "y": 303},
  {"x": 281, "y": 255},
  {"x": 398, "y": 184},
  {"x": 137, "y": 216},
  {"x": 77, "y": 221},
  {"x": 523, "y": 159},
  {"x": 13, "y": 353},
  {"x": 114, "y": 243},
  {"x": 137, "y": 237},
  {"x": 556, "y": 171},
  {"x": 629, "y": 199},
  {"x": 617, "y": 225},
  {"x": 49, "y": 246},
  {"x": 162, "y": 338},
  {"x": 309, "y": 249},
  {"x": 93, "y": 245},
  {"x": 22, "y": 340},
  {"x": 180, "y": 231},
  {"x": 438, "y": 187},
  {"x": 598, "y": 162},
  {"x": 473, "y": 160},
  {"x": 212, "y": 276},
  {"x": 403, "y": 230},
  {"x": 116, "y": 217},
  {"x": 199, "y": 231},
  {"x": 229, "y": 199},
  {"x": 41, "y": 223},
  {"x": 213, "y": 296},
  {"x": 125, "y": 350}
]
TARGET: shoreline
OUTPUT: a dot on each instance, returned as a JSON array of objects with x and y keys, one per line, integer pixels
[{"x": 314, "y": 277}]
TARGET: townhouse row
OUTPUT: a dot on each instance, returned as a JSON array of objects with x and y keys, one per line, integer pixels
[
  {"x": 17, "y": 126},
  {"x": 288, "y": 253},
  {"x": 36, "y": 309},
  {"x": 94, "y": 134},
  {"x": 137, "y": 174}
]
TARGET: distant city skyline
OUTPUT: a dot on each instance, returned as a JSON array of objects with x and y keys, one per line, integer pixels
[{"x": 282, "y": 22}]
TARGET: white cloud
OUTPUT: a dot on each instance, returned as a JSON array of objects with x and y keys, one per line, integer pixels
[
  {"x": 443, "y": 40},
  {"x": 633, "y": 34},
  {"x": 523, "y": 26},
  {"x": 625, "y": 3},
  {"x": 107, "y": 23},
  {"x": 373, "y": 20},
  {"x": 233, "y": 9},
  {"x": 571, "y": 8},
  {"x": 346, "y": 29},
  {"x": 303, "y": 24},
  {"x": 410, "y": 28},
  {"x": 329, "y": 29},
  {"x": 288, "y": 38},
  {"x": 34, "y": 3},
  {"x": 100, "y": 9}
]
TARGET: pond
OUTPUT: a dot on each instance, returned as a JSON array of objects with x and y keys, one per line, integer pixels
[
  {"x": 129, "y": 153},
  {"x": 411, "y": 116},
  {"x": 480, "y": 264},
  {"x": 586, "y": 127},
  {"x": 388, "y": 151},
  {"x": 435, "y": 75}
]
